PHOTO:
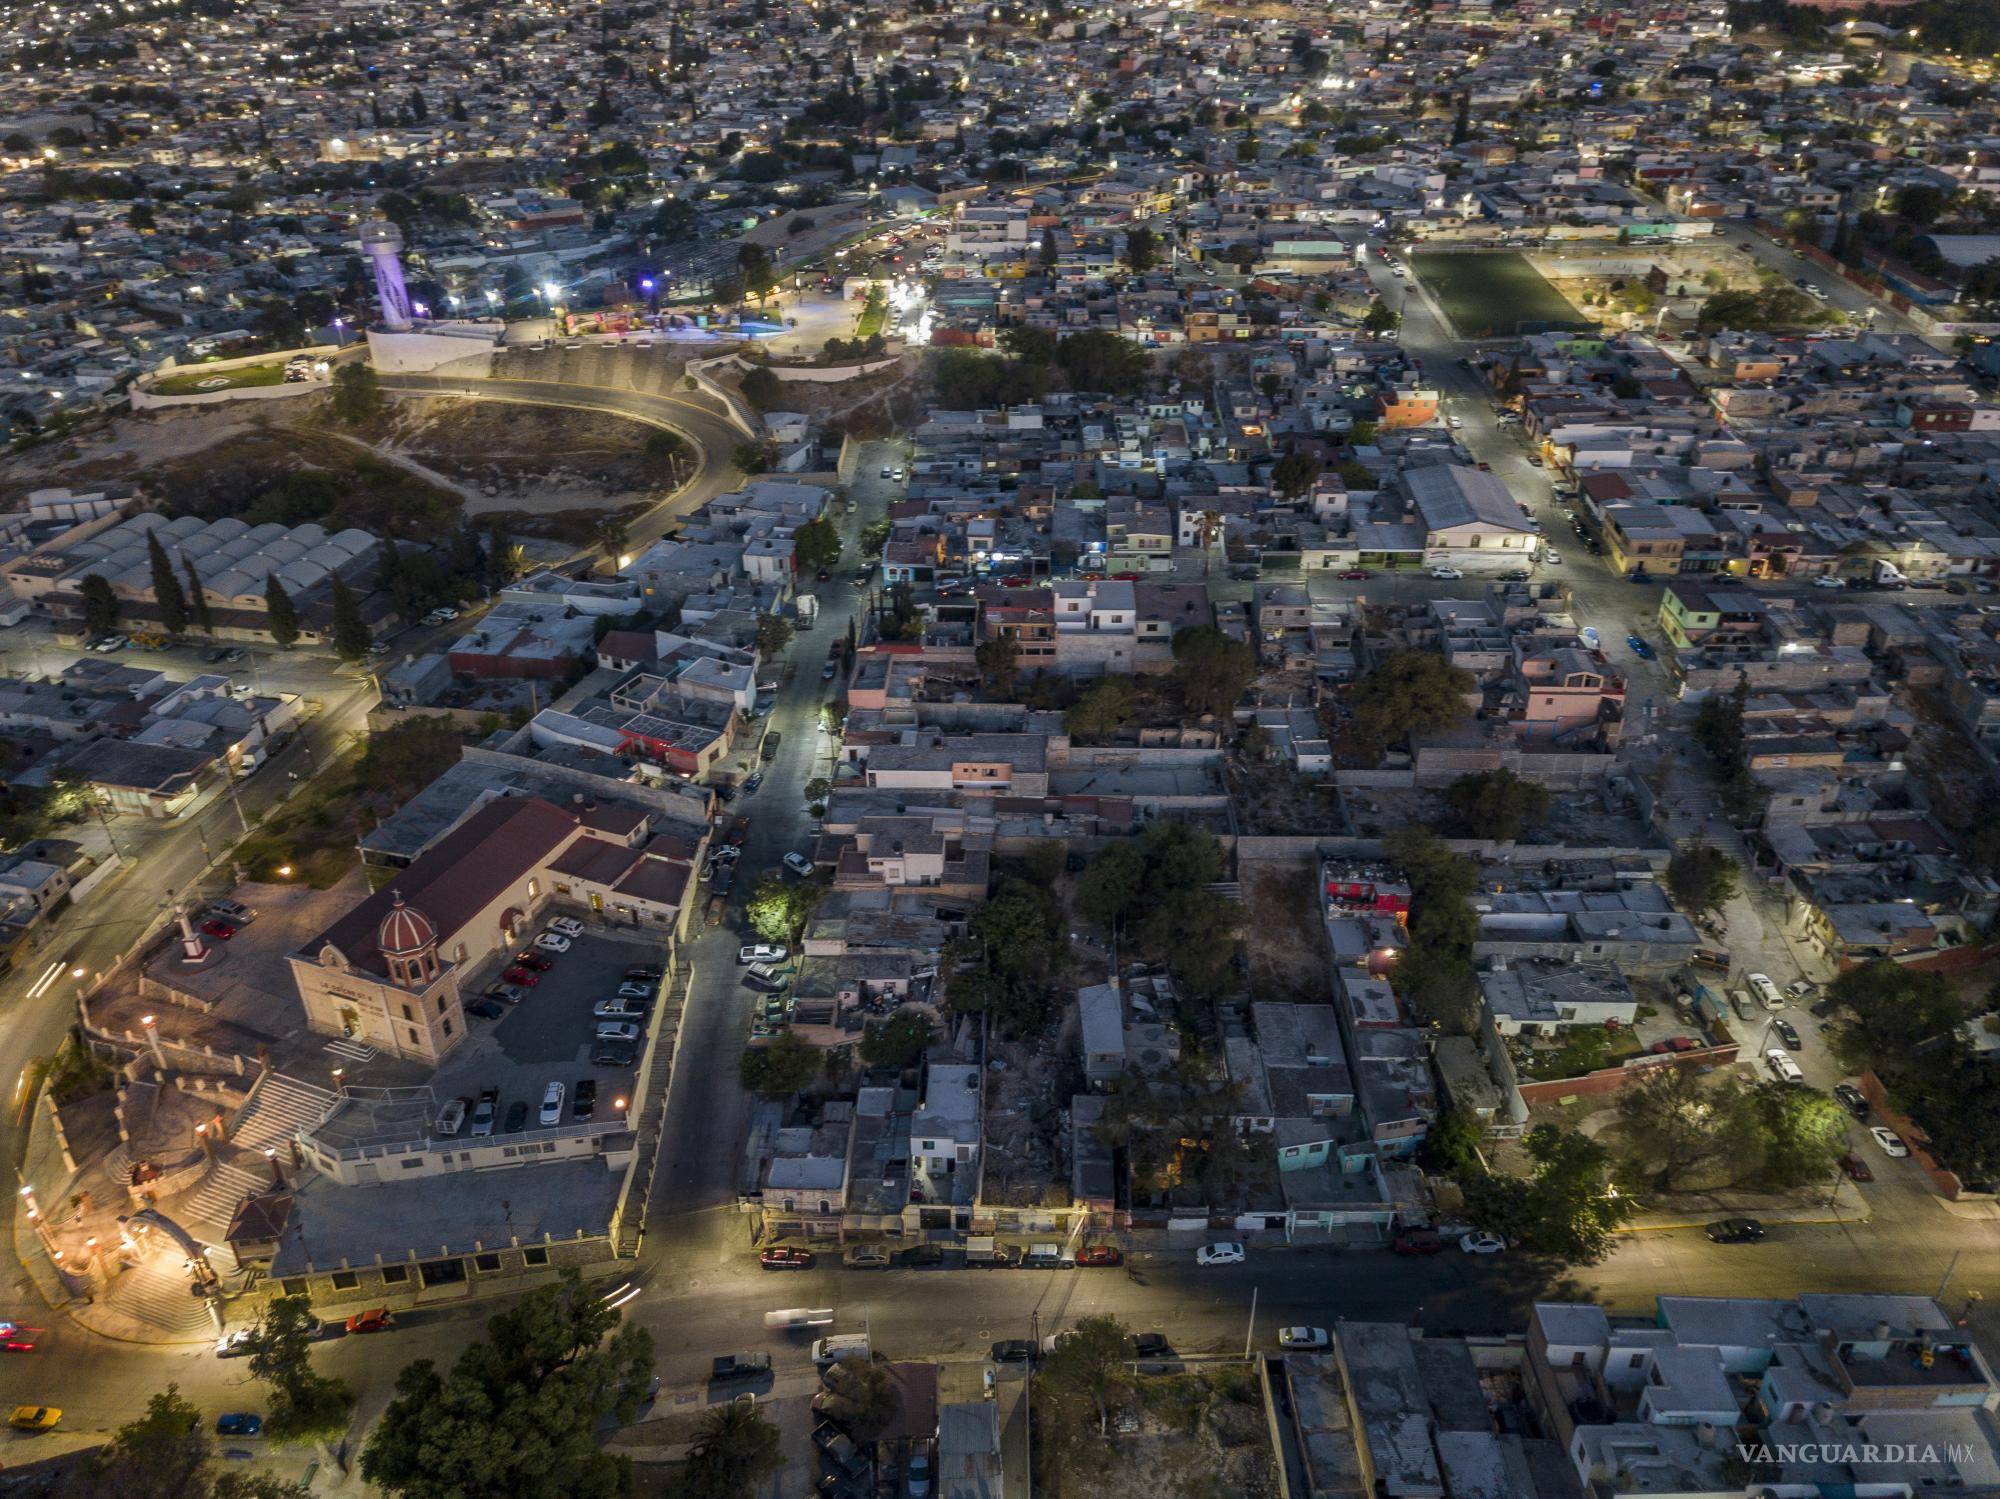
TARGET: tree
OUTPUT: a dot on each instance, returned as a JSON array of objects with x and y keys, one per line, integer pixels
[
  {"x": 1563, "y": 1208},
  {"x": 1496, "y": 804},
  {"x": 754, "y": 261},
  {"x": 1295, "y": 474},
  {"x": 752, "y": 457},
  {"x": 1111, "y": 883},
  {"x": 670, "y": 451},
  {"x": 1029, "y": 345},
  {"x": 897, "y": 1042},
  {"x": 306, "y": 1406},
  {"x": 1091, "y": 1361},
  {"x": 778, "y": 908},
  {"x": 1410, "y": 693},
  {"x": 1796, "y": 1136},
  {"x": 1673, "y": 1127},
  {"x": 1104, "y": 706},
  {"x": 519, "y": 1411},
  {"x": 816, "y": 544},
  {"x": 861, "y": 1397},
  {"x": 1100, "y": 360},
  {"x": 611, "y": 533},
  {"x": 1212, "y": 670},
  {"x": 351, "y": 636},
  {"x": 163, "y": 1455},
  {"x": 166, "y": 587},
  {"x": 761, "y": 388},
  {"x": 281, "y": 615},
  {"x": 736, "y": 1450},
  {"x": 780, "y": 1068},
  {"x": 1198, "y": 934},
  {"x": 357, "y": 393},
  {"x": 1142, "y": 249},
  {"x": 998, "y": 661},
  {"x": 196, "y": 598},
  {"x": 1379, "y": 318},
  {"x": 774, "y": 633},
  {"x": 1701, "y": 878},
  {"x": 100, "y": 604},
  {"x": 1049, "y": 252}
]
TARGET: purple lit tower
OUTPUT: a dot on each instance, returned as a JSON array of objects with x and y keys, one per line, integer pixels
[{"x": 380, "y": 242}]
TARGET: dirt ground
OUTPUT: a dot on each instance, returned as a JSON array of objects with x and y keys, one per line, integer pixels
[
  {"x": 524, "y": 458},
  {"x": 1198, "y": 1436},
  {"x": 1286, "y": 947}
]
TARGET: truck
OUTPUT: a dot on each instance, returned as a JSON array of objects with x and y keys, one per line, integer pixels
[
  {"x": 799, "y": 1316},
  {"x": 840, "y": 1346},
  {"x": 1886, "y": 571},
  {"x": 735, "y": 1366},
  {"x": 983, "y": 1251},
  {"x": 806, "y": 606}
]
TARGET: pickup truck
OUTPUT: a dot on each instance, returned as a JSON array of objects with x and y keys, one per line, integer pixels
[{"x": 733, "y": 1366}]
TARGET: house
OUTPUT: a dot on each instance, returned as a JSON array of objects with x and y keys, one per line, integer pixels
[{"x": 1468, "y": 515}]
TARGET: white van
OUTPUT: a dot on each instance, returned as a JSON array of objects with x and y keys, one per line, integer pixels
[
  {"x": 1783, "y": 1068},
  {"x": 840, "y": 1346},
  {"x": 799, "y": 1316}
]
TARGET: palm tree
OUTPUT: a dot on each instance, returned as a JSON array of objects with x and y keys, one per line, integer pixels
[{"x": 1208, "y": 528}]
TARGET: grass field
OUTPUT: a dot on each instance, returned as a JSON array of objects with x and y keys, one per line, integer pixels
[
  {"x": 1494, "y": 293},
  {"x": 197, "y": 380}
]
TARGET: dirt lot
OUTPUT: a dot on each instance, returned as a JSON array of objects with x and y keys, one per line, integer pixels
[
  {"x": 1200, "y": 1435},
  {"x": 524, "y": 457},
  {"x": 1287, "y": 951}
]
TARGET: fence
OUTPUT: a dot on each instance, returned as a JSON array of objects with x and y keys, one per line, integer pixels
[{"x": 1612, "y": 1079}]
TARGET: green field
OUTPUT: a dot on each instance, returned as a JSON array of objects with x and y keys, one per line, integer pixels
[
  {"x": 196, "y": 381},
  {"x": 1493, "y": 294}
]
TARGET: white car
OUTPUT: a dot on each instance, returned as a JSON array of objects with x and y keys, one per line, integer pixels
[
  {"x": 550, "y": 942},
  {"x": 552, "y": 1104},
  {"x": 617, "y": 1030},
  {"x": 442, "y": 615},
  {"x": 233, "y": 1344},
  {"x": 1447, "y": 574},
  {"x": 450, "y": 1119},
  {"x": 569, "y": 926},
  {"x": 1829, "y": 582},
  {"x": 1891, "y": 1142},
  {"x": 1552, "y": 558},
  {"x": 1766, "y": 991},
  {"x": 615, "y": 1009},
  {"x": 1454, "y": 422},
  {"x": 762, "y": 952},
  {"x": 1303, "y": 1337},
  {"x": 799, "y": 864},
  {"x": 1219, "y": 1254},
  {"x": 1482, "y": 1244}
]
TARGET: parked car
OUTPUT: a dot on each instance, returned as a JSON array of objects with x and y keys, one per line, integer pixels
[
  {"x": 1781, "y": 1066},
  {"x": 1417, "y": 1241},
  {"x": 644, "y": 974},
  {"x": 1012, "y": 1351},
  {"x": 231, "y": 910},
  {"x": 1219, "y": 1254},
  {"x": 483, "y": 1112},
  {"x": 799, "y": 864},
  {"x": 583, "y": 1099},
  {"x": 1100, "y": 1254},
  {"x": 606, "y": 1053},
  {"x": 486, "y": 1009},
  {"x": 1798, "y": 989},
  {"x": 617, "y": 1030},
  {"x": 1852, "y": 1099},
  {"x": 780, "y": 1257},
  {"x": 1856, "y": 1168},
  {"x": 865, "y": 1257},
  {"x": 222, "y": 931},
  {"x": 35, "y": 1417},
  {"x": 526, "y": 978},
  {"x": 550, "y": 942},
  {"x": 1673, "y": 1044},
  {"x": 1482, "y": 1244},
  {"x": 451, "y": 1118},
  {"x": 1788, "y": 1032},
  {"x": 513, "y": 994},
  {"x": 1891, "y": 1142},
  {"x": 1303, "y": 1337},
  {"x": 234, "y": 1344},
  {"x": 1639, "y": 647},
  {"x": 1767, "y": 992},
  {"x": 517, "y": 1117},
  {"x": 238, "y": 1424},
  {"x": 568, "y": 926},
  {"x": 1151, "y": 1345},
  {"x": 615, "y": 1009},
  {"x": 1735, "y": 1231},
  {"x": 762, "y": 952},
  {"x": 1356, "y": 575},
  {"x": 377, "y": 1319},
  {"x": 1448, "y": 574},
  {"x": 553, "y": 1098},
  {"x": 762, "y": 984}
]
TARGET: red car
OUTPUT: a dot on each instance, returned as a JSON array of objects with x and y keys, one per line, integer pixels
[
  {"x": 1099, "y": 1254},
  {"x": 377, "y": 1320},
  {"x": 1128, "y": 577},
  {"x": 17, "y": 1339},
  {"x": 222, "y": 931},
  {"x": 521, "y": 976},
  {"x": 1013, "y": 580},
  {"x": 541, "y": 962},
  {"x": 1356, "y": 575},
  {"x": 786, "y": 1259},
  {"x": 1418, "y": 1241},
  {"x": 1673, "y": 1043},
  {"x": 1856, "y": 1168}
]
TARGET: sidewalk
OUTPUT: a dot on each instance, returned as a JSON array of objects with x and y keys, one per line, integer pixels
[{"x": 1846, "y": 1205}]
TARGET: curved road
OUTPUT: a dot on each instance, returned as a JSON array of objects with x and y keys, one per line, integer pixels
[{"x": 710, "y": 433}]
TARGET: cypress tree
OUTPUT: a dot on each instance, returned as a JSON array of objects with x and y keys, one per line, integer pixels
[
  {"x": 281, "y": 614},
  {"x": 197, "y": 598},
  {"x": 166, "y": 587},
  {"x": 351, "y": 638}
]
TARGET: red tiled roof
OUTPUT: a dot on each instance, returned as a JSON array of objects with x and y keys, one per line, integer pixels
[{"x": 461, "y": 876}]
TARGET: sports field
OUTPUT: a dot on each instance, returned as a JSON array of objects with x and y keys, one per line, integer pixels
[
  {"x": 1494, "y": 293},
  {"x": 199, "y": 381}
]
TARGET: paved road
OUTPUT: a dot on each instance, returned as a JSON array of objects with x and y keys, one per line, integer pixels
[{"x": 712, "y": 435}]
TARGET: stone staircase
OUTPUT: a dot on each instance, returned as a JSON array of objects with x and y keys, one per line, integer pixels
[
  {"x": 281, "y": 1107},
  {"x": 207, "y": 1210},
  {"x": 648, "y": 1111},
  {"x": 155, "y": 1292}
]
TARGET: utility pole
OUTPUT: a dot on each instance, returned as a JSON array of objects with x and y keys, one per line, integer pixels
[
  {"x": 1948, "y": 1270},
  {"x": 1028, "y": 1374},
  {"x": 1250, "y": 1332}
]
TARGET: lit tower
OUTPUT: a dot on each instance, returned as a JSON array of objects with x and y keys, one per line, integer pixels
[{"x": 380, "y": 242}]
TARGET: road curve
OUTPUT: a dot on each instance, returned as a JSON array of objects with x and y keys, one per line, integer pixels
[{"x": 710, "y": 434}]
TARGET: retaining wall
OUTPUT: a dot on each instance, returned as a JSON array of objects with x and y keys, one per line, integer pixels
[{"x": 1612, "y": 1079}]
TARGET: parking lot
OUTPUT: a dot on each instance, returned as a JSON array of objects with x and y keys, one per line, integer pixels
[{"x": 549, "y": 1036}]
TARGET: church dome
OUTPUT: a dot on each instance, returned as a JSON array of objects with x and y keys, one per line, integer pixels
[{"x": 405, "y": 932}]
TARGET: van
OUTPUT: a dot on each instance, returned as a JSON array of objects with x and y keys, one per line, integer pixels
[
  {"x": 799, "y": 1316},
  {"x": 981, "y": 1250},
  {"x": 840, "y": 1346},
  {"x": 1783, "y": 1068},
  {"x": 1047, "y": 1257},
  {"x": 1740, "y": 1002}
]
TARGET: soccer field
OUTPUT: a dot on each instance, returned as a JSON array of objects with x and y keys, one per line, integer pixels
[{"x": 1493, "y": 294}]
